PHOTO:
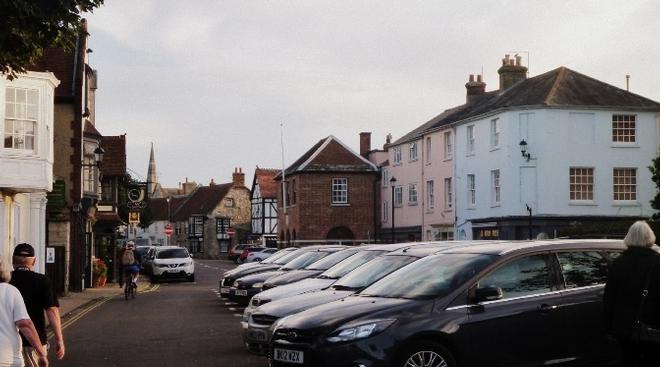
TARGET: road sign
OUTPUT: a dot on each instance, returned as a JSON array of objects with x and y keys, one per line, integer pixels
[
  {"x": 168, "y": 229},
  {"x": 231, "y": 231}
]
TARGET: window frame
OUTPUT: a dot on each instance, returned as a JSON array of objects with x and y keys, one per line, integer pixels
[
  {"x": 615, "y": 185},
  {"x": 430, "y": 194},
  {"x": 495, "y": 187},
  {"x": 34, "y": 120},
  {"x": 449, "y": 145},
  {"x": 572, "y": 183},
  {"x": 449, "y": 193},
  {"x": 339, "y": 191},
  {"x": 385, "y": 177},
  {"x": 412, "y": 152},
  {"x": 624, "y": 131},
  {"x": 494, "y": 133},
  {"x": 398, "y": 196},
  {"x": 386, "y": 211},
  {"x": 412, "y": 191},
  {"x": 470, "y": 136},
  {"x": 396, "y": 155},
  {"x": 472, "y": 190},
  {"x": 429, "y": 150}
]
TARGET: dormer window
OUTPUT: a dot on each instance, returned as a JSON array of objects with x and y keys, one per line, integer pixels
[
  {"x": 229, "y": 202},
  {"x": 20, "y": 123}
]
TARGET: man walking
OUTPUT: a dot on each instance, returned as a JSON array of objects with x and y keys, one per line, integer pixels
[{"x": 39, "y": 296}]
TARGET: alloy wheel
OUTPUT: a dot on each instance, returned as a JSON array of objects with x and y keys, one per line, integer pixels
[{"x": 426, "y": 358}]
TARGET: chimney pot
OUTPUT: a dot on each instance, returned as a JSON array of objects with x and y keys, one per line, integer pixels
[
  {"x": 479, "y": 79},
  {"x": 471, "y": 77}
]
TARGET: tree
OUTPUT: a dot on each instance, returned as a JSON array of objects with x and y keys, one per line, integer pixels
[
  {"x": 655, "y": 176},
  {"x": 27, "y": 27}
]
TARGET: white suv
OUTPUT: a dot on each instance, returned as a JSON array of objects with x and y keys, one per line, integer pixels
[{"x": 172, "y": 262}]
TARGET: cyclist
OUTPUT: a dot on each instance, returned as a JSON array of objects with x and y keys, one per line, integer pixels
[{"x": 130, "y": 263}]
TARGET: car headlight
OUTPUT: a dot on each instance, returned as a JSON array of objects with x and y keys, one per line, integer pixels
[
  {"x": 235, "y": 284},
  {"x": 248, "y": 312},
  {"x": 161, "y": 265},
  {"x": 258, "y": 285},
  {"x": 359, "y": 331}
]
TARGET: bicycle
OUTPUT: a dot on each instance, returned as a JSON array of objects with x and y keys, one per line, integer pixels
[{"x": 130, "y": 288}]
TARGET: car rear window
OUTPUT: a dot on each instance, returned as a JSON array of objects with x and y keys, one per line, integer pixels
[{"x": 176, "y": 253}]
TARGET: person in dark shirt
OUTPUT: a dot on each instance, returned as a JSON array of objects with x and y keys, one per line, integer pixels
[
  {"x": 626, "y": 280},
  {"x": 38, "y": 296}
]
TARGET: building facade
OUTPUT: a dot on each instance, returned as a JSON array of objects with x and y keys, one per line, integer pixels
[
  {"x": 263, "y": 196},
  {"x": 329, "y": 195},
  {"x": 26, "y": 161}
]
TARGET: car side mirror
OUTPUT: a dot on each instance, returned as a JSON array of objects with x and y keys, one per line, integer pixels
[
  {"x": 488, "y": 293},
  {"x": 191, "y": 256}
]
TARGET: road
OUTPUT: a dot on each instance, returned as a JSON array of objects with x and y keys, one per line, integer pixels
[{"x": 174, "y": 324}]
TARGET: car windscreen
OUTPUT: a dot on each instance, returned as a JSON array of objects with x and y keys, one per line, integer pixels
[
  {"x": 331, "y": 260},
  {"x": 288, "y": 257},
  {"x": 304, "y": 260},
  {"x": 277, "y": 255},
  {"x": 372, "y": 271},
  {"x": 141, "y": 251},
  {"x": 430, "y": 277},
  {"x": 346, "y": 266},
  {"x": 176, "y": 253}
]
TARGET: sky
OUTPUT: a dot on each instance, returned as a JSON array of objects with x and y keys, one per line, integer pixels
[{"x": 213, "y": 84}]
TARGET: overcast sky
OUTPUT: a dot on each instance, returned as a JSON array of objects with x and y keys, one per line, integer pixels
[{"x": 209, "y": 82}]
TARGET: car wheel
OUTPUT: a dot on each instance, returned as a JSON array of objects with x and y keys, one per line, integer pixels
[
  {"x": 426, "y": 354},
  {"x": 191, "y": 278}
]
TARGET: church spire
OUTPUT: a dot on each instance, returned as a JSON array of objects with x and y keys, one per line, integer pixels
[{"x": 152, "y": 178}]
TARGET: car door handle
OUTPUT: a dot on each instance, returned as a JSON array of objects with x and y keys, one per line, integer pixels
[{"x": 545, "y": 308}]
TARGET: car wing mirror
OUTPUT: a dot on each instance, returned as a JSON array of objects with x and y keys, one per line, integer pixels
[
  {"x": 191, "y": 256},
  {"x": 487, "y": 293}
]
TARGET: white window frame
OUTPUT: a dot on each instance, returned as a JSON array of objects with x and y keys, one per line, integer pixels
[
  {"x": 624, "y": 128},
  {"x": 396, "y": 155},
  {"x": 581, "y": 184},
  {"x": 412, "y": 194},
  {"x": 624, "y": 185},
  {"x": 385, "y": 177},
  {"x": 471, "y": 190},
  {"x": 412, "y": 151},
  {"x": 339, "y": 191},
  {"x": 495, "y": 187},
  {"x": 470, "y": 140},
  {"x": 430, "y": 194},
  {"x": 449, "y": 149},
  {"x": 398, "y": 196},
  {"x": 386, "y": 211},
  {"x": 26, "y": 119},
  {"x": 494, "y": 133},
  {"x": 449, "y": 194},
  {"x": 429, "y": 150}
]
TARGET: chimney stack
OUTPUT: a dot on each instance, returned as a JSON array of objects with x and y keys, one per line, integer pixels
[
  {"x": 365, "y": 144},
  {"x": 388, "y": 140},
  {"x": 511, "y": 72},
  {"x": 212, "y": 183},
  {"x": 238, "y": 177},
  {"x": 474, "y": 88}
]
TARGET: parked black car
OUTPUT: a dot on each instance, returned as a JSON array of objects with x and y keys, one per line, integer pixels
[
  {"x": 247, "y": 286},
  {"x": 275, "y": 261},
  {"x": 497, "y": 304}
]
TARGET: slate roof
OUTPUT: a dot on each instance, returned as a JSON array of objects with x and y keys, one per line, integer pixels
[
  {"x": 330, "y": 155},
  {"x": 201, "y": 201},
  {"x": 266, "y": 179},
  {"x": 558, "y": 88},
  {"x": 61, "y": 64},
  {"x": 159, "y": 207},
  {"x": 90, "y": 130},
  {"x": 114, "y": 159}
]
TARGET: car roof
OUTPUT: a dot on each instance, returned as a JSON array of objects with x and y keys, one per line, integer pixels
[
  {"x": 507, "y": 247},
  {"x": 168, "y": 247},
  {"x": 421, "y": 249}
]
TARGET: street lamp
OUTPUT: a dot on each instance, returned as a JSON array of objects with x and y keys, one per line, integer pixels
[
  {"x": 523, "y": 149},
  {"x": 392, "y": 182},
  {"x": 169, "y": 220},
  {"x": 98, "y": 155}
]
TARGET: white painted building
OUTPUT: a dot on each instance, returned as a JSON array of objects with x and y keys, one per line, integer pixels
[
  {"x": 26, "y": 161},
  {"x": 588, "y": 143}
]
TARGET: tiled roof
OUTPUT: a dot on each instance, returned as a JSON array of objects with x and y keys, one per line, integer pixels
[
  {"x": 114, "y": 159},
  {"x": 201, "y": 201},
  {"x": 90, "y": 130},
  {"x": 266, "y": 179},
  {"x": 61, "y": 64},
  {"x": 561, "y": 87},
  {"x": 330, "y": 155},
  {"x": 159, "y": 206}
]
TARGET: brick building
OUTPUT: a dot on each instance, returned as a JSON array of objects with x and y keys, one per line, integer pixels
[{"x": 330, "y": 194}]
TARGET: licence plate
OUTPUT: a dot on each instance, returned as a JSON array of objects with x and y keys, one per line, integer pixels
[
  {"x": 241, "y": 292},
  {"x": 258, "y": 335},
  {"x": 224, "y": 290},
  {"x": 286, "y": 355}
]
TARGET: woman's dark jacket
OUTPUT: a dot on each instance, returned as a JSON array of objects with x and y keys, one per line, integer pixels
[{"x": 623, "y": 291}]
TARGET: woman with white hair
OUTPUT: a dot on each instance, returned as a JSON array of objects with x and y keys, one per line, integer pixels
[
  {"x": 14, "y": 319},
  {"x": 636, "y": 270}
]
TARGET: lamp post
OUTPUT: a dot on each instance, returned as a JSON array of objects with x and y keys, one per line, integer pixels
[
  {"x": 392, "y": 182},
  {"x": 169, "y": 220}
]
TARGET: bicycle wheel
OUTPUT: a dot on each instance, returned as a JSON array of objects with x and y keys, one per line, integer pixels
[
  {"x": 133, "y": 291},
  {"x": 127, "y": 288}
]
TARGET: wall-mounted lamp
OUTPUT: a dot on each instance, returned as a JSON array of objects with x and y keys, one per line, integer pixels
[
  {"x": 523, "y": 150},
  {"x": 98, "y": 155}
]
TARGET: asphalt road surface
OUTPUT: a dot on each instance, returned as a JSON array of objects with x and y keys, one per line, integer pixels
[{"x": 174, "y": 324}]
